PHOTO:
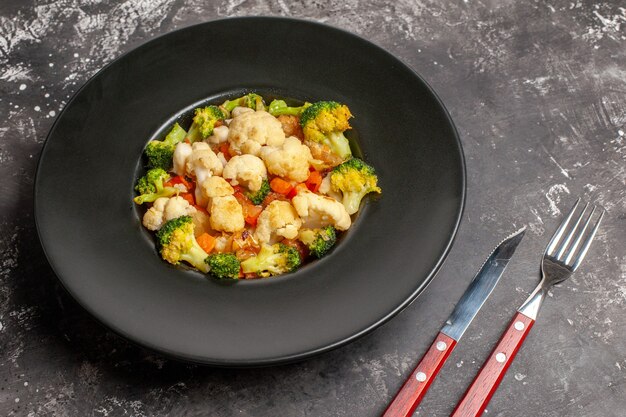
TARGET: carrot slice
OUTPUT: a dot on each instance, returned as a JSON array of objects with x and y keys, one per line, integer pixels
[
  {"x": 314, "y": 181},
  {"x": 296, "y": 190},
  {"x": 179, "y": 179},
  {"x": 224, "y": 148},
  {"x": 206, "y": 242},
  {"x": 189, "y": 197},
  {"x": 241, "y": 197},
  {"x": 252, "y": 214},
  {"x": 280, "y": 186}
]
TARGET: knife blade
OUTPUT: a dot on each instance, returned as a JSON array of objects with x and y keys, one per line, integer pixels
[
  {"x": 479, "y": 289},
  {"x": 481, "y": 286}
]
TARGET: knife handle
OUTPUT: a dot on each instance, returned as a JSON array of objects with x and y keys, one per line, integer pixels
[
  {"x": 413, "y": 390},
  {"x": 486, "y": 382}
]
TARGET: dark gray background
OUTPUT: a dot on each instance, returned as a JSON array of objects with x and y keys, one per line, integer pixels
[{"x": 538, "y": 93}]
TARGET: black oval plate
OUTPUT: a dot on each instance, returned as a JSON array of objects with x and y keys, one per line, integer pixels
[{"x": 93, "y": 237}]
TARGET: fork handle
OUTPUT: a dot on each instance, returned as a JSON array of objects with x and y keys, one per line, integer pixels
[
  {"x": 415, "y": 387},
  {"x": 486, "y": 382}
]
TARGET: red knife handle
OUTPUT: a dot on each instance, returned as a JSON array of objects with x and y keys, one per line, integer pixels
[
  {"x": 486, "y": 382},
  {"x": 413, "y": 390}
]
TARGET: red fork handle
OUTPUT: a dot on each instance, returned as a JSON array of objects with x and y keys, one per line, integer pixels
[
  {"x": 486, "y": 382},
  {"x": 413, "y": 390}
]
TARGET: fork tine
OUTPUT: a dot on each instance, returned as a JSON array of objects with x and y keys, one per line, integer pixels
[
  {"x": 570, "y": 235},
  {"x": 587, "y": 243},
  {"x": 557, "y": 235},
  {"x": 579, "y": 237}
]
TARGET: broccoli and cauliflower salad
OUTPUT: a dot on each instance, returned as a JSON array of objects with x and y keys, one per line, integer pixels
[{"x": 251, "y": 190}]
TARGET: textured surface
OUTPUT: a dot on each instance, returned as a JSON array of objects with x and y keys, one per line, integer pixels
[{"x": 537, "y": 91}]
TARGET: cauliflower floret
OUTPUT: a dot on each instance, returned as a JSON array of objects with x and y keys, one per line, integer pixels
[
  {"x": 290, "y": 161},
  {"x": 216, "y": 187},
  {"x": 181, "y": 153},
  {"x": 222, "y": 158},
  {"x": 239, "y": 110},
  {"x": 249, "y": 131},
  {"x": 202, "y": 163},
  {"x": 325, "y": 188},
  {"x": 212, "y": 187},
  {"x": 165, "y": 209},
  {"x": 176, "y": 207},
  {"x": 278, "y": 219},
  {"x": 319, "y": 211},
  {"x": 201, "y": 222},
  {"x": 248, "y": 170},
  {"x": 223, "y": 244},
  {"x": 153, "y": 218},
  {"x": 226, "y": 214},
  {"x": 160, "y": 203},
  {"x": 220, "y": 134}
]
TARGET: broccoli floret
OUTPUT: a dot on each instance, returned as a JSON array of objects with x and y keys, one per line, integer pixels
[
  {"x": 150, "y": 186},
  {"x": 273, "y": 260},
  {"x": 160, "y": 153},
  {"x": 223, "y": 265},
  {"x": 258, "y": 196},
  {"x": 278, "y": 107},
  {"x": 177, "y": 243},
  {"x": 354, "y": 178},
  {"x": 204, "y": 121},
  {"x": 319, "y": 241},
  {"x": 324, "y": 122},
  {"x": 251, "y": 100}
]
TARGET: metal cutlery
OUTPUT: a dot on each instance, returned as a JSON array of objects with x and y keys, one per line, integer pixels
[
  {"x": 561, "y": 258},
  {"x": 413, "y": 390}
]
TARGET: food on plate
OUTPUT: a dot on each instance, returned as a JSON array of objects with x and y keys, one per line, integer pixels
[
  {"x": 251, "y": 190},
  {"x": 319, "y": 241},
  {"x": 204, "y": 121},
  {"x": 353, "y": 179},
  {"x": 177, "y": 243},
  {"x": 159, "y": 153},
  {"x": 272, "y": 260},
  {"x": 224, "y": 265},
  {"x": 324, "y": 122},
  {"x": 150, "y": 186}
]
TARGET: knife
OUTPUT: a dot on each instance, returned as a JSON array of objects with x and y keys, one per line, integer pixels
[{"x": 413, "y": 390}]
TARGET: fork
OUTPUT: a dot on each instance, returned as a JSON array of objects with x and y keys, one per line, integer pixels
[{"x": 560, "y": 260}]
